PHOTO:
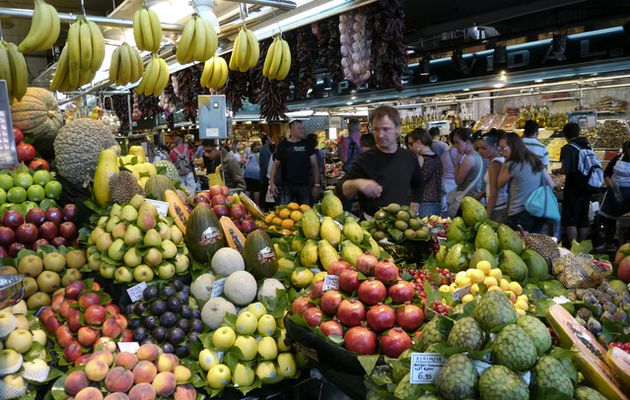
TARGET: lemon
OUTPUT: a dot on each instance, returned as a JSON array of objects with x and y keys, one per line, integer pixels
[
  {"x": 490, "y": 281},
  {"x": 496, "y": 273},
  {"x": 484, "y": 266},
  {"x": 516, "y": 288},
  {"x": 468, "y": 298},
  {"x": 475, "y": 275}
]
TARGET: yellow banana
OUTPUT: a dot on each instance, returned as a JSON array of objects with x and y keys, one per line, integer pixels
[
  {"x": 223, "y": 69},
  {"x": 85, "y": 76},
  {"x": 234, "y": 58},
  {"x": 242, "y": 51},
  {"x": 98, "y": 47},
  {"x": 162, "y": 79},
  {"x": 114, "y": 64},
  {"x": 153, "y": 75},
  {"x": 253, "y": 49},
  {"x": 269, "y": 57},
  {"x": 40, "y": 28},
  {"x": 85, "y": 43},
  {"x": 133, "y": 65},
  {"x": 5, "y": 68},
  {"x": 199, "y": 48},
  {"x": 19, "y": 71},
  {"x": 208, "y": 67},
  {"x": 139, "y": 63},
  {"x": 285, "y": 63},
  {"x": 156, "y": 29},
  {"x": 184, "y": 47},
  {"x": 216, "y": 75},
  {"x": 55, "y": 28},
  {"x": 62, "y": 70},
  {"x": 212, "y": 42},
  {"x": 147, "y": 35},
  {"x": 124, "y": 68},
  {"x": 74, "y": 53},
  {"x": 137, "y": 30},
  {"x": 277, "y": 57},
  {"x": 145, "y": 83}
]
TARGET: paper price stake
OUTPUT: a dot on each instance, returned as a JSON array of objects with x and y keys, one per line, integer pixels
[
  {"x": 129, "y": 347},
  {"x": 162, "y": 206},
  {"x": 135, "y": 292},
  {"x": 425, "y": 367},
  {"x": 460, "y": 293},
  {"x": 331, "y": 282},
  {"x": 217, "y": 288}
]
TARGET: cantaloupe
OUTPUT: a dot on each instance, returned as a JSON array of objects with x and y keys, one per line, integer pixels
[
  {"x": 226, "y": 261},
  {"x": 240, "y": 288},
  {"x": 201, "y": 288},
  {"x": 269, "y": 288},
  {"x": 213, "y": 312}
]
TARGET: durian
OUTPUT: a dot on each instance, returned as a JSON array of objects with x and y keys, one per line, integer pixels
[{"x": 123, "y": 186}]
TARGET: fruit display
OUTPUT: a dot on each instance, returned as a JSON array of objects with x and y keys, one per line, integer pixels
[
  {"x": 283, "y": 219},
  {"x": 147, "y": 30},
  {"x": 81, "y": 57},
  {"x": 611, "y": 134},
  {"x": 223, "y": 204},
  {"x": 44, "y": 29},
  {"x": 278, "y": 60},
  {"x": 198, "y": 41},
  {"x": 24, "y": 188},
  {"x": 147, "y": 374},
  {"x": 167, "y": 317},
  {"x": 134, "y": 243},
  {"x": 126, "y": 65},
  {"x": 13, "y": 70},
  {"x": 246, "y": 51},
  {"x": 215, "y": 73},
  {"x": 397, "y": 223}
]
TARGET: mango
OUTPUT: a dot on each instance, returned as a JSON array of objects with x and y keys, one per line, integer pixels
[
  {"x": 536, "y": 265},
  {"x": 330, "y": 232},
  {"x": 327, "y": 253},
  {"x": 310, "y": 224},
  {"x": 297, "y": 244},
  {"x": 473, "y": 211},
  {"x": 512, "y": 265},
  {"x": 353, "y": 231},
  {"x": 350, "y": 252},
  {"x": 331, "y": 205},
  {"x": 509, "y": 240},
  {"x": 487, "y": 239},
  {"x": 308, "y": 254}
]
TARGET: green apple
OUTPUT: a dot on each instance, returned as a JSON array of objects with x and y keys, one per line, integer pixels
[
  {"x": 208, "y": 359},
  {"x": 181, "y": 263},
  {"x": 169, "y": 249},
  {"x": 166, "y": 271},
  {"x": 106, "y": 270},
  {"x": 19, "y": 340},
  {"x": 282, "y": 346},
  {"x": 258, "y": 309},
  {"x": 123, "y": 275},
  {"x": 246, "y": 323},
  {"x": 132, "y": 258},
  {"x": 266, "y": 371},
  {"x": 248, "y": 347},
  {"x": 267, "y": 348},
  {"x": 143, "y": 273},
  {"x": 223, "y": 338},
  {"x": 218, "y": 376},
  {"x": 267, "y": 325},
  {"x": 153, "y": 258},
  {"x": 243, "y": 375},
  {"x": 39, "y": 336},
  {"x": 287, "y": 366}
]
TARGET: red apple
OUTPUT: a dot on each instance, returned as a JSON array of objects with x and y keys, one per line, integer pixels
[
  {"x": 3, "y": 252},
  {"x": 331, "y": 328},
  {"x": 336, "y": 267},
  {"x": 39, "y": 242},
  {"x": 39, "y": 163},
  {"x": 622, "y": 252},
  {"x": 394, "y": 342},
  {"x": 18, "y": 135},
  {"x": 58, "y": 241},
  {"x": 218, "y": 200},
  {"x": 48, "y": 230},
  {"x": 350, "y": 312},
  {"x": 51, "y": 324},
  {"x": 68, "y": 230},
  {"x": 14, "y": 249},
  {"x": 316, "y": 290},
  {"x": 300, "y": 304},
  {"x": 386, "y": 271},
  {"x": 215, "y": 190},
  {"x": 26, "y": 233},
  {"x": 12, "y": 219},
  {"x": 64, "y": 335},
  {"x": 372, "y": 292},
  {"x": 348, "y": 281},
  {"x": 380, "y": 317},
  {"x": 409, "y": 317},
  {"x": 221, "y": 211},
  {"x": 25, "y": 152},
  {"x": 72, "y": 351},
  {"x": 624, "y": 269},
  {"x": 70, "y": 212},
  {"x": 313, "y": 316},
  {"x": 360, "y": 340},
  {"x": 54, "y": 215},
  {"x": 74, "y": 320},
  {"x": 401, "y": 292},
  {"x": 7, "y": 236},
  {"x": 237, "y": 212},
  {"x": 65, "y": 307},
  {"x": 56, "y": 301},
  {"x": 366, "y": 263},
  {"x": 36, "y": 216},
  {"x": 73, "y": 289},
  {"x": 94, "y": 314},
  {"x": 88, "y": 299},
  {"x": 248, "y": 225},
  {"x": 330, "y": 302}
]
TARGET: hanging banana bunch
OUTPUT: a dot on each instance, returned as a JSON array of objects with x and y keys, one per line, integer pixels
[
  {"x": 155, "y": 77},
  {"x": 44, "y": 29},
  {"x": 246, "y": 51},
  {"x": 147, "y": 30},
  {"x": 278, "y": 60},
  {"x": 126, "y": 65},
  {"x": 81, "y": 57},
  {"x": 215, "y": 73},
  {"x": 13, "y": 70},
  {"x": 198, "y": 41}
]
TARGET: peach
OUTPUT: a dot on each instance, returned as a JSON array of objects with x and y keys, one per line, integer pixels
[
  {"x": 89, "y": 393},
  {"x": 165, "y": 363},
  {"x": 142, "y": 391},
  {"x": 116, "y": 396},
  {"x": 104, "y": 355},
  {"x": 144, "y": 372},
  {"x": 111, "y": 328},
  {"x": 164, "y": 383},
  {"x": 182, "y": 374},
  {"x": 75, "y": 381},
  {"x": 96, "y": 370},
  {"x": 185, "y": 392},
  {"x": 119, "y": 379},
  {"x": 127, "y": 360},
  {"x": 148, "y": 352}
]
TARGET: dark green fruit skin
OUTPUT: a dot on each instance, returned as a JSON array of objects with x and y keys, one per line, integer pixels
[
  {"x": 203, "y": 234},
  {"x": 457, "y": 379},
  {"x": 259, "y": 255},
  {"x": 500, "y": 383},
  {"x": 549, "y": 373},
  {"x": 494, "y": 310},
  {"x": 467, "y": 335},
  {"x": 514, "y": 349},
  {"x": 587, "y": 393}
]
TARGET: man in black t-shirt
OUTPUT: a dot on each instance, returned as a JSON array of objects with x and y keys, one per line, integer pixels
[
  {"x": 297, "y": 160},
  {"x": 386, "y": 173}
]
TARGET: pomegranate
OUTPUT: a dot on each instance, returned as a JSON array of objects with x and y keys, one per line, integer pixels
[
  {"x": 380, "y": 317},
  {"x": 215, "y": 190},
  {"x": 237, "y": 212},
  {"x": 200, "y": 199},
  {"x": 336, "y": 267},
  {"x": 330, "y": 302},
  {"x": 372, "y": 292},
  {"x": 350, "y": 312},
  {"x": 360, "y": 340},
  {"x": 25, "y": 152},
  {"x": 220, "y": 210},
  {"x": 386, "y": 271},
  {"x": 401, "y": 292},
  {"x": 366, "y": 263},
  {"x": 18, "y": 135},
  {"x": 248, "y": 225},
  {"x": 316, "y": 290},
  {"x": 348, "y": 281},
  {"x": 313, "y": 316},
  {"x": 300, "y": 304},
  {"x": 409, "y": 317},
  {"x": 394, "y": 342},
  {"x": 331, "y": 328}
]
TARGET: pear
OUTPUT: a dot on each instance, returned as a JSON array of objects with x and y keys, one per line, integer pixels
[
  {"x": 98, "y": 231},
  {"x": 123, "y": 275},
  {"x": 103, "y": 242},
  {"x": 94, "y": 261},
  {"x": 115, "y": 212},
  {"x": 169, "y": 250},
  {"x": 136, "y": 201},
  {"x": 113, "y": 221},
  {"x": 102, "y": 221},
  {"x": 176, "y": 235},
  {"x": 133, "y": 235},
  {"x": 182, "y": 262},
  {"x": 153, "y": 258},
  {"x": 129, "y": 213},
  {"x": 165, "y": 231},
  {"x": 146, "y": 221},
  {"x": 117, "y": 250},
  {"x": 132, "y": 258},
  {"x": 150, "y": 208},
  {"x": 152, "y": 238},
  {"x": 119, "y": 230},
  {"x": 107, "y": 271}
]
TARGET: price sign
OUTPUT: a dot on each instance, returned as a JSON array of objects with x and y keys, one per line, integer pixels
[
  {"x": 8, "y": 154},
  {"x": 217, "y": 288},
  {"x": 331, "y": 282},
  {"x": 425, "y": 367},
  {"x": 162, "y": 206},
  {"x": 135, "y": 292},
  {"x": 560, "y": 300},
  {"x": 129, "y": 347},
  {"x": 459, "y": 293}
]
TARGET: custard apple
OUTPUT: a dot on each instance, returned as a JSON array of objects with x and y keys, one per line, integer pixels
[
  {"x": 430, "y": 334},
  {"x": 500, "y": 383},
  {"x": 587, "y": 393},
  {"x": 549, "y": 374},
  {"x": 494, "y": 310},
  {"x": 170, "y": 169},
  {"x": 514, "y": 349},
  {"x": 467, "y": 335},
  {"x": 537, "y": 332},
  {"x": 458, "y": 378}
]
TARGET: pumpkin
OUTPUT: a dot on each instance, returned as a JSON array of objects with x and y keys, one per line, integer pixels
[
  {"x": 156, "y": 185},
  {"x": 259, "y": 255},
  {"x": 203, "y": 234},
  {"x": 37, "y": 115}
]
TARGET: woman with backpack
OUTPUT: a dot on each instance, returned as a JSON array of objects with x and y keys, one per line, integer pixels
[
  {"x": 617, "y": 199},
  {"x": 525, "y": 173},
  {"x": 252, "y": 173}
]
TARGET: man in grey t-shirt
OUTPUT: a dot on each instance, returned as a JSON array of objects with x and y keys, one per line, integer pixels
[{"x": 530, "y": 138}]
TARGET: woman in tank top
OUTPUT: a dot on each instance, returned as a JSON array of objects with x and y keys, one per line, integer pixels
[{"x": 496, "y": 198}]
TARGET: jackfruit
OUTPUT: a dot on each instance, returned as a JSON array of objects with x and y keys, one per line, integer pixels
[
  {"x": 170, "y": 170},
  {"x": 123, "y": 186},
  {"x": 458, "y": 378},
  {"x": 514, "y": 349},
  {"x": 494, "y": 310},
  {"x": 499, "y": 383}
]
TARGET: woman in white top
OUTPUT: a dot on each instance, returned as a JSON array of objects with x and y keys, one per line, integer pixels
[{"x": 496, "y": 198}]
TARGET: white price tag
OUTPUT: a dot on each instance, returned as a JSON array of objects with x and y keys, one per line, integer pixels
[
  {"x": 162, "y": 206},
  {"x": 459, "y": 293},
  {"x": 217, "y": 288},
  {"x": 560, "y": 300},
  {"x": 331, "y": 282},
  {"x": 135, "y": 292},
  {"x": 129, "y": 347},
  {"x": 425, "y": 367}
]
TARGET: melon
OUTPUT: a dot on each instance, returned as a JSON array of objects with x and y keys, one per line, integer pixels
[
  {"x": 226, "y": 261},
  {"x": 203, "y": 234},
  {"x": 201, "y": 288},
  {"x": 269, "y": 288},
  {"x": 214, "y": 311},
  {"x": 259, "y": 254},
  {"x": 240, "y": 288},
  {"x": 156, "y": 186}
]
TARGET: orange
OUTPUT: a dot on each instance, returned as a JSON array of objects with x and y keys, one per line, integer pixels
[
  {"x": 296, "y": 216},
  {"x": 285, "y": 232},
  {"x": 284, "y": 213},
  {"x": 293, "y": 206},
  {"x": 304, "y": 207},
  {"x": 277, "y": 221},
  {"x": 288, "y": 224},
  {"x": 269, "y": 218}
]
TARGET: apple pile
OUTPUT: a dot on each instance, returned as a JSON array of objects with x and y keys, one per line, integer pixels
[
  {"x": 166, "y": 316},
  {"x": 26, "y": 152},
  {"x": 226, "y": 205},
  {"x": 23, "y": 357},
  {"x": 135, "y": 243},
  {"x": 146, "y": 375},
  {"x": 253, "y": 348},
  {"x": 82, "y": 316},
  {"x": 372, "y": 300},
  {"x": 32, "y": 188},
  {"x": 45, "y": 271},
  {"x": 36, "y": 228}
]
